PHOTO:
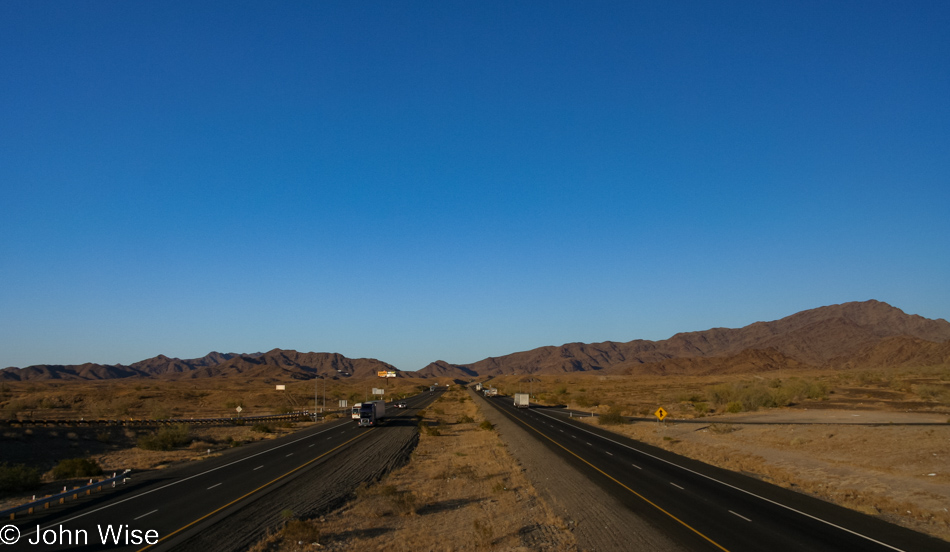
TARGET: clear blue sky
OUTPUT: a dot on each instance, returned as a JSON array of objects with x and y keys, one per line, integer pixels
[{"x": 413, "y": 181}]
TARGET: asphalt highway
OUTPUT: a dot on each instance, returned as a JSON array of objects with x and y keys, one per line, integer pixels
[
  {"x": 707, "y": 508},
  {"x": 158, "y": 509}
]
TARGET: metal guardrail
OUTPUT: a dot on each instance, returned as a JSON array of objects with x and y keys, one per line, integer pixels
[
  {"x": 61, "y": 498},
  {"x": 233, "y": 420}
]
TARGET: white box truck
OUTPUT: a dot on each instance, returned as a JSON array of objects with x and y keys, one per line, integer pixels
[
  {"x": 355, "y": 412},
  {"x": 521, "y": 400},
  {"x": 372, "y": 413}
]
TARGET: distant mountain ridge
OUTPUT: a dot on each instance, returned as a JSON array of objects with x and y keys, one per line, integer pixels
[
  {"x": 277, "y": 363},
  {"x": 857, "y": 334},
  {"x": 813, "y": 338}
]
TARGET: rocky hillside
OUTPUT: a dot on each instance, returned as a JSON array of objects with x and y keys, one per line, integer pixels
[
  {"x": 833, "y": 336},
  {"x": 273, "y": 364},
  {"x": 861, "y": 334}
]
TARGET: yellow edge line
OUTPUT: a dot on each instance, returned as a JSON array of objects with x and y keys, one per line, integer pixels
[
  {"x": 645, "y": 499},
  {"x": 209, "y": 514}
]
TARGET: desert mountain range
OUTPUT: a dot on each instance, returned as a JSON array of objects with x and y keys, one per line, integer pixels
[{"x": 868, "y": 334}]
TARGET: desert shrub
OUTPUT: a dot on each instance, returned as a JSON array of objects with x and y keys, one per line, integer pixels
[
  {"x": 722, "y": 428},
  {"x": 166, "y": 438},
  {"x": 931, "y": 392},
  {"x": 15, "y": 478},
  {"x": 754, "y": 395},
  {"x": 301, "y": 532},
  {"x": 403, "y": 502},
  {"x": 689, "y": 397},
  {"x": 425, "y": 428},
  {"x": 486, "y": 425},
  {"x": 796, "y": 390},
  {"x": 76, "y": 467},
  {"x": 701, "y": 408},
  {"x": 262, "y": 428},
  {"x": 612, "y": 417},
  {"x": 465, "y": 419},
  {"x": 585, "y": 401}
]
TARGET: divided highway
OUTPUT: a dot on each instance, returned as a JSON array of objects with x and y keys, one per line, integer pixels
[
  {"x": 707, "y": 508},
  {"x": 197, "y": 503}
]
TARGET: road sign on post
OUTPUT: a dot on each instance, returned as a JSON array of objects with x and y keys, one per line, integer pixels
[{"x": 660, "y": 414}]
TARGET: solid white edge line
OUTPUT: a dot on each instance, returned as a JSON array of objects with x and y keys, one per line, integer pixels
[
  {"x": 187, "y": 478},
  {"x": 750, "y": 493}
]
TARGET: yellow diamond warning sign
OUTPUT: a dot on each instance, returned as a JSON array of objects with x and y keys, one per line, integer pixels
[{"x": 660, "y": 413}]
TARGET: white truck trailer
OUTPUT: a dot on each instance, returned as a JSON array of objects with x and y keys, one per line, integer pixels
[
  {"x": 521, "y": 400},
  {"x": 372, "y": 413}
]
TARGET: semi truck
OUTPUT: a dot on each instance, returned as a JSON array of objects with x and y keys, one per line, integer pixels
[
  {"x": 521, "y": 400},
  {"x": 372, "y": 413},
  {"x": 355, "y": 413}
]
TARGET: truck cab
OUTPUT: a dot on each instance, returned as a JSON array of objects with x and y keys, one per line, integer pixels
[{"x": 372, "y": 413}]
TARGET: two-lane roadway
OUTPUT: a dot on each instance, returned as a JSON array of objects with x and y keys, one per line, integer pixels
[
  {"x": 161, "y": 509},
  {"x": 707, "y": 508}
]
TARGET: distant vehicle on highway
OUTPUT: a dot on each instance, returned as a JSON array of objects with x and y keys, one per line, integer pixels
[
  {"x": 401, "y": 405},
  {"x": 372, "y": 413}
]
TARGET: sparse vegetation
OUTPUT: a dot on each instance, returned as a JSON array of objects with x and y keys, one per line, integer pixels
[
  {"x": 750, "y": 396},
  {"x": 166, "y": 438},
  {"x": 298, "y": 531},
  {"x": 486, "y": 425},
  {"x": 15, "y": 478},
  {"x": 403, "y": 503},
  {"x": 426, "y": 429},
  {"x": 611, "y": 417},
  {"x": 76, "y": 467},
  {"x": 722, "y": 429}
]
